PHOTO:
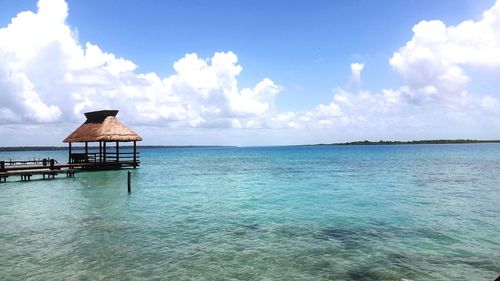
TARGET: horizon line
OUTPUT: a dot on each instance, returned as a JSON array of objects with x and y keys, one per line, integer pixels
[{"x": 353, "y": 143}]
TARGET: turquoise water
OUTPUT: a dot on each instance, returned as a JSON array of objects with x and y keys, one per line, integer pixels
[{"x": 416, "y": 212}]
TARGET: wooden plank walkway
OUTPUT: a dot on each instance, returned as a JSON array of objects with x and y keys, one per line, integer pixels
[
  {"x": 50, "y": 170},
  {"x": 27, "y": 174}
]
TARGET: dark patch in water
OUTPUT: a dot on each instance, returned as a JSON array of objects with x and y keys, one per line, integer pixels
[
  {"x": 292, "y": 232},
  {"x": 339, "y": 234},
  {"x": 239, "y": 232},
  {"x": 364, "y": 273},
  {"x": 91, "y": 219},
  {"x": 253, "y": 226},
  {"x": 399, "y": 258},
  {"x": 352, "y": 236},
  {"x": 403, "y": 260},
  {"x": 436, "y": 236},
  {"x": 484, "y": 264},
  {"x": 243, "y": 229}
]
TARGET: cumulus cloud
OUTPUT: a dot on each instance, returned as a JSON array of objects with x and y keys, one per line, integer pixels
[
  {"x": 47, "y": 76},
  {"x": 392, "y": 114},
  {"x": 434, "y": 61},
  {"x": 356, "y": 69}
]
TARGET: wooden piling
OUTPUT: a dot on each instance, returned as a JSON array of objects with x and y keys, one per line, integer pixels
[
  {"x": 100, "y": 152},
  {"x": 117, "y": 152},
  {"x": 135, "y": 154},
  {"x": 129, "y": 184},
  {"x": 70, "y": 173},
  {"x": 69, "y": 154},
  {"x": 104, "y": 151}
]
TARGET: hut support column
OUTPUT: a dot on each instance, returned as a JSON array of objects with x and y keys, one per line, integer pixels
[
  {"x": 69, "y": 153},
  {"x": 100, "y": 152},
  {"x": 117, "y": 152},
  {"x": 135, "y": 155},
  {"x": 87, "y": 150},
  {"x": 104, "y": 151}
]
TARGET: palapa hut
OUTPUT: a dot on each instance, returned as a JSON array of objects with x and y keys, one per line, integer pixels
[{"x": 102, "y": 127}]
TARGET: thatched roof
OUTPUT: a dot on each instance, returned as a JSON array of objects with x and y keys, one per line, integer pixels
[{"x": 102, "y": 126}]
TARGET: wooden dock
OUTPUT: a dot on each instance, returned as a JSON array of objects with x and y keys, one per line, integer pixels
[{"x": 49, "y": 168}]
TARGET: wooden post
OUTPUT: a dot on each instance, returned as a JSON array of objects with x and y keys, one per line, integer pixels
[
  {"x": 104, "y": 150},
  {"x": 117, "y": 152},
  {"x": 69, "y": 154},
  {"x": 2, "y": 166},
  {"x": 135, "y": 155},
  {"x": 100, "y": 152},
  {"x": 86, "y": 158},
  {"x": 129, "y": 184}
]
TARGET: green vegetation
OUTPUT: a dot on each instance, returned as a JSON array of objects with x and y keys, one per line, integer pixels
[{"x": 382, "y": 142}]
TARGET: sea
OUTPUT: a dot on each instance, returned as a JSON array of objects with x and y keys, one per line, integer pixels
[{"x": 380, "y": 212}]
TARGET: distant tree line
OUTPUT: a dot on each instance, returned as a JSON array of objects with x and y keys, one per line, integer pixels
[{"x": 383, "y": 142}]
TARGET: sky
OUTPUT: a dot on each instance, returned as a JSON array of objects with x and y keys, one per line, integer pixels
[{"x": 251, "y": 72}]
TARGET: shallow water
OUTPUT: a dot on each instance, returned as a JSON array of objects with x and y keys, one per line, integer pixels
[{"x": 409, "y": 212}]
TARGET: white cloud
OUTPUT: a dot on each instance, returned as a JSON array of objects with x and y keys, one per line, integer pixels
[
  {"x": 47, "y": 76},
  {"x": 489, "y": 103},
  {"x": 254, "y": 101},
  {"x": 356, "y": 69},
  {"x": 436, "y": 55}
]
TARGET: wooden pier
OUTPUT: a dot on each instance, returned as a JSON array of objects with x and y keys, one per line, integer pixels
[{"x": 49, "y": 169}]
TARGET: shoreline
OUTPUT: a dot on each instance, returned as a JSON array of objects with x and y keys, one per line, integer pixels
[{"x": 415, "y": 142}]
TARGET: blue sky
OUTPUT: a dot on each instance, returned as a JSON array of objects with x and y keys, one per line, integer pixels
[{"x": 303, "y": 48}]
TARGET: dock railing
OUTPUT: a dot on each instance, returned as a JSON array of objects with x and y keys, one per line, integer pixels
[
  {"x": 108, "y": 157},
  {"x": 10, "y": 163}
]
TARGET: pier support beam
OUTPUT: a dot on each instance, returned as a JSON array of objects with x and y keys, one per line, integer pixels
[
  {"x": 104, "y": 151},
  {"x": 100, "y": 152},
  {"x": 70, "y": 173},
  {"x": 69, "y": 154},
  {"x": 129, "y": 184},
  {"x": 26, "y": 176},
  {"x": 135, "y": 154},
  {"x": 50, "y": 175},
  {"x": 117, "y": 152}
]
